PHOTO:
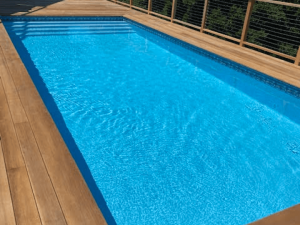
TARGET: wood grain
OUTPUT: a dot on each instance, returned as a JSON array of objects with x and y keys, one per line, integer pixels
[
  {"x": 280, "y": 3},
  {"x": 46, "y": 199},
  {"x": 22, "y": 196},
  {"x": 7, "y": 216},
  {"x": 74, "y": 197}
]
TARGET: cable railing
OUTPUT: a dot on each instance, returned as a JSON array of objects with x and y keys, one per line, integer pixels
[
  {"x": 268, "y": 26},
  {"x": 226, "y": 18},
  {"x": 189, "y": 13},
  {"x": 279, "y": 33},
  {"x": 162, "y": 7}
]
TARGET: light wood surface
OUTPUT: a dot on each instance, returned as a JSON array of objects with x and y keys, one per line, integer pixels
[
  {"x": 280, "y": 3},
  {"x": 57, "y": 193},
  {"x": 62, "y": 8},
  {"x": 290, "y": 216},
  {"x": 45, "y": 185},
  {"x": 40, "y": 182},
  {"x": 23, "y": 200},
  {"x": 6, "y": 208}
]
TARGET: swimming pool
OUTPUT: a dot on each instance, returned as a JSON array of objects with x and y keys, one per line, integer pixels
[{"x": 171, "y": 134}]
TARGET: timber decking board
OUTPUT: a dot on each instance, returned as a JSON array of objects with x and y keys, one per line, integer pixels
[
  {"x": 290, "y": 216},
  {"x": 7, "y": 215},
  {"x": 20, "y": 187},
  {"x": 41, "y": 173},
  {"x": 62, "y": 8},
  {"x": 46, "y": 199},
  {"x": 74, "y": 198}
]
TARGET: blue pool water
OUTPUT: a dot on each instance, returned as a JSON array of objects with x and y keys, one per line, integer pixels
[{"x": 169, "y": 136}]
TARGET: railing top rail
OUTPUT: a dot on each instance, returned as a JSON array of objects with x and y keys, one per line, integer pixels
[{"x": 280, "y": 3}]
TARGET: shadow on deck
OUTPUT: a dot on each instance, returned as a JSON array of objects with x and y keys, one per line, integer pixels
[{"x": 20, "y": 7}]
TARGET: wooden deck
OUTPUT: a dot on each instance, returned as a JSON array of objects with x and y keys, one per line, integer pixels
[{"x": 39, "y": 180}]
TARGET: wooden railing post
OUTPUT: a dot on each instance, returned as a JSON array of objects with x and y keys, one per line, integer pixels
[
  {"x": 247, "y": 21},
  {"x": 204, "y": 16},
  {"x": 174, "y": 4},
  {"x": 130, "y": 3},
  {"x": 149, "y": 6},
  {"x": 297, "y": 60}
]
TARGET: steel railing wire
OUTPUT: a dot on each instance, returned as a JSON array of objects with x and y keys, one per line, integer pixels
[
  {"x": 190, "y": 11},
  {"x": 140, "y": 3},
  {"x": 226, "y": 17},
  {"x": 276, "y": 27},
  {"x": 124, "y": 1},
  {"x": 162, "y": 7}
]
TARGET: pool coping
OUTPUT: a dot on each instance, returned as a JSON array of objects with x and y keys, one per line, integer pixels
[{"x": 28, "y": 91}]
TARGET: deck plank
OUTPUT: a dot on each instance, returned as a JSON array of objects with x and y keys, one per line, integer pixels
[
  {"x": 7, "y": 215},
  {"x": 47, "y": 202},
  {"x": 46, "y": 199},
  {"x": 16, "y": 108},
  {"x": 289, "y": 216},
  {"x": 22, "y": 196},
  {"x": 77, "y": 203}
]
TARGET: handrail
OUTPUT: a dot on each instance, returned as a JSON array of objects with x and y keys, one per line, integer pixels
[
  {"x": 280, "y": 3},
  {"x": 270, "y": 51},
  {"x": 242, "y": 41}
]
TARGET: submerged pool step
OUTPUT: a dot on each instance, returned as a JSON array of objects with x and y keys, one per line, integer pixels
[
  {"x": 73, "y": 33},
  {"x": 57, "y": 29},
  {"x": 26, "y": 28}
]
